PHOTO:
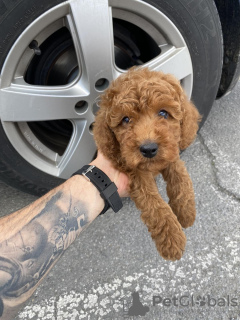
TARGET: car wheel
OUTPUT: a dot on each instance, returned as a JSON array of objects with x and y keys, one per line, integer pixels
[{"x": 57, "y": 57}]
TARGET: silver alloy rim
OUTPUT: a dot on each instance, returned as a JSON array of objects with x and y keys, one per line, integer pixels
[{"x": 21, "y": 102}]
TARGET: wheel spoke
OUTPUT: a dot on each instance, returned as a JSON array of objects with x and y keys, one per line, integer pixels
[
  {"x": 80, "y": 150},
  {"x": 90, "y": 22},
  {"x": 172, "y": 60},
  {"x": 23, "y": 102}
]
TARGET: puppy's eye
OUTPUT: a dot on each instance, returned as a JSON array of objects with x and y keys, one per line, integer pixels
[
  {"x": 163, "y": 113},
  {"x": 125, "y": 120}
]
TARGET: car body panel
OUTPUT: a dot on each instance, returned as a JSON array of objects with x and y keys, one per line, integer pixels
[{"x": 229, "y": 13}]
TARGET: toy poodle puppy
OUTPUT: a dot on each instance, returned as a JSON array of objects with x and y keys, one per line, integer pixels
[{"x": 144, "y": 120}]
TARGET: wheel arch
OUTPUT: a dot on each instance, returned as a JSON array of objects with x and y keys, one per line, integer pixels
[{"x": 229, "y": 13}]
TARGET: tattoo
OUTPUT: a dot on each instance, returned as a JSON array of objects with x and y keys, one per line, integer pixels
[{"x": 28, "y": 256}]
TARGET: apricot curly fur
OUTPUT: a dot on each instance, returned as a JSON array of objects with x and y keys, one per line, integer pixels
[{"x": 139, "y": 95}]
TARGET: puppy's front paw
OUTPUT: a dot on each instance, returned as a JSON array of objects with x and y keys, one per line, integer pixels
[
  {"x": 171, "y": 241},
  {"x": 185, "y": 212}
]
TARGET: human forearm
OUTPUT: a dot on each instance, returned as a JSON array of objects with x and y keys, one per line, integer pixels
[{"x": 32, "y": 239}]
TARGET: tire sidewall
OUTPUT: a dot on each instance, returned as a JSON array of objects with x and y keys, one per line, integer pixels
[
  {"x": 199, "y": 24},
  {"x": 14, "y": 170}
]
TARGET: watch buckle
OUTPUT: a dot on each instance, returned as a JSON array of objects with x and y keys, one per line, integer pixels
[{"x": 88, "y": 170}]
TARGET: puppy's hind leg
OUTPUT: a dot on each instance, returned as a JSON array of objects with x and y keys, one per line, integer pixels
[
  {"x": 157, "y": 215},
  {"x": 180, "y": 192}
]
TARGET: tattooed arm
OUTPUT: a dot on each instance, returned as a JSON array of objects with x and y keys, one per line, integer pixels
[{"x": 34, "y": 238}]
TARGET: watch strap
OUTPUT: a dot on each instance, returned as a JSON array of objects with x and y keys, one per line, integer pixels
[{"x": 107, "y": 188}]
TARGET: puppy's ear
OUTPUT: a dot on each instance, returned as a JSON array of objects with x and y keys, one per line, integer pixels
[
  {"x": 104, "y": 137},
  {"x": 190, "y": 121}
]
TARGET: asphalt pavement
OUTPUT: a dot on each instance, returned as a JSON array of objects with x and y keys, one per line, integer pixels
[{"x": 113, "y": 270}]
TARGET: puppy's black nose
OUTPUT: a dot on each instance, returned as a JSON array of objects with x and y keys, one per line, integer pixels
[{"x": 149, "y": 150}]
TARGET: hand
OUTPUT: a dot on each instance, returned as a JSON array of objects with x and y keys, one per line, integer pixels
[{"x": 120, "y": 179}]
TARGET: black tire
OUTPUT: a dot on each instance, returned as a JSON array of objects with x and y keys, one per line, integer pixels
[{"x": 198, "y": 22}]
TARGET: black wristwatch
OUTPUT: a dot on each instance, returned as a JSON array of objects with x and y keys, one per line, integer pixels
[{"x": 107, "y": 188}]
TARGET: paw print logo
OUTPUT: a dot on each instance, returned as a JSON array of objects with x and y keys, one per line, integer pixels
[
  {"x": 201, "y": 301},
  {"x": 136, "y": 308}
]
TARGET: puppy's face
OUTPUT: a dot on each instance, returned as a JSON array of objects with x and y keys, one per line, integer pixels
[
  {"x": 147, "y": 129},
  {"x": 147, "y": 118}
]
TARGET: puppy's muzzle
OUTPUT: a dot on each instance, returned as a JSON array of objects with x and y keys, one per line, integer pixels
[{"x": 149, "y": 150}]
